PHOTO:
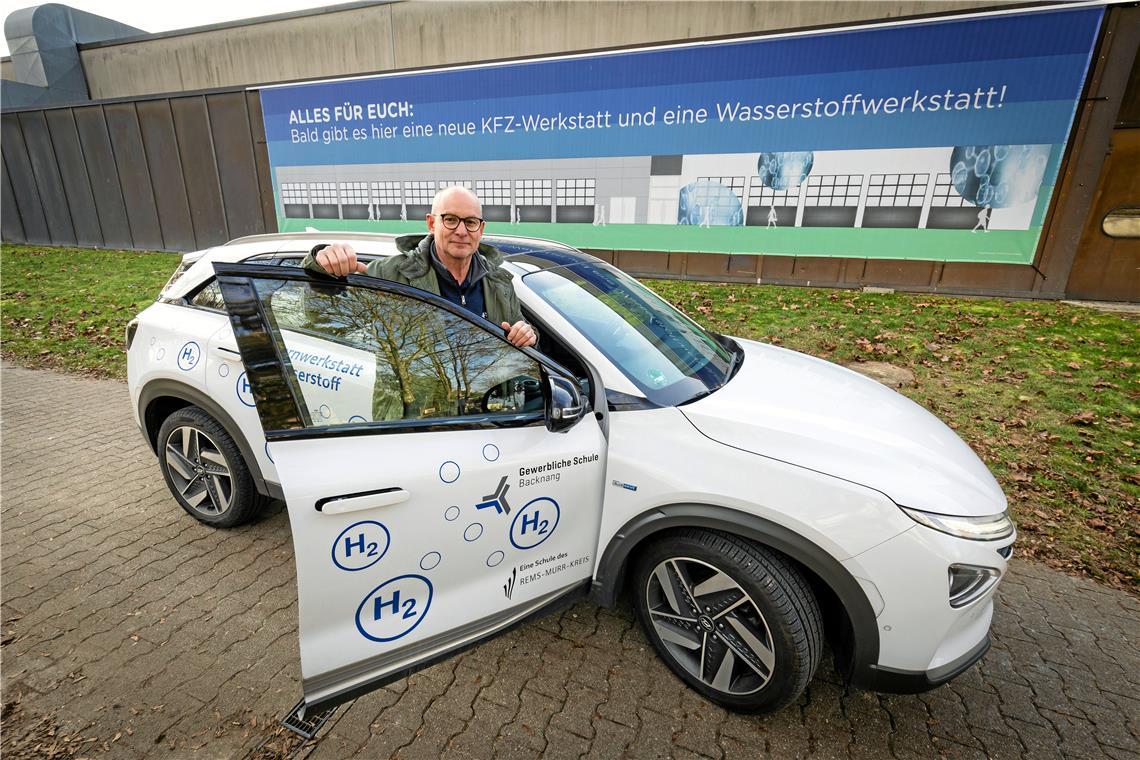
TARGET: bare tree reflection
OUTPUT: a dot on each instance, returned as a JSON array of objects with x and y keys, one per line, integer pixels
[{"x": 429, "y": 362}]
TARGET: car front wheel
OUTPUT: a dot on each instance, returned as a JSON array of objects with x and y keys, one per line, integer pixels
[
  {"x": 736, "y": 622},
  {"x": 204, "y": 469}
]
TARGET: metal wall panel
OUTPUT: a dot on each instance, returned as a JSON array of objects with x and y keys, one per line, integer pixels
[
  {"x": 73, "y": 173},
  {"x": 166, "y": 180},
  {"x": 134, "y": 175},
  {"x": 237, "y": 168},
  {"x": 961, "y": 276},
  {"x": 27, "y": 194},
  {"x": 199, "y": 171},
  {"x": 103, "y": 176},
  {"x": 11, "y": 227},
  {"x": 261, "y": 154},
  {"x": 44, "y": 167},
  {"x": 897, "y": 274},
  {"x": 706, "y": 265}
]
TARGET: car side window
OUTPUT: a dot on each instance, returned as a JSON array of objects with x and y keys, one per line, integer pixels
[
  {"x": 358, "y": 355},
  {"x": 209, "y": 297}
]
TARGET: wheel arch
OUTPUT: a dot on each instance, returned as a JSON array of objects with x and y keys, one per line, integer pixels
[
  {"x": 159, "y": 398},
  {"x": 843, "y": 596}
]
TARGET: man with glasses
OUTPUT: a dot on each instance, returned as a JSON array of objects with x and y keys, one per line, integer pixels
[{"x": 449, "y": 261}]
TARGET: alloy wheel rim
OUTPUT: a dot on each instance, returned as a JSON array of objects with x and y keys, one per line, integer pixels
[
  {"x": 710, "y": 625},
  {"x": 199, "y": 471}
]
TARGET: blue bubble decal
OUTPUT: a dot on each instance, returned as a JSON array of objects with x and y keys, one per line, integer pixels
[
  {"x": 998, "y": 176},
  {"x": 705, "y": 203},
  {"x": 786, "y": 170},
  {"x": 449, "y": 472}
]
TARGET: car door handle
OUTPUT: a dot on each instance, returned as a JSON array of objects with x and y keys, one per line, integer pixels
[
  {"x": 354, "y": 502},
  {"x": 228, "y": 352}
]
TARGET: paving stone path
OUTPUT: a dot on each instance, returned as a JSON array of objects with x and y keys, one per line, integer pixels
[{"x": 131, "y": 631}]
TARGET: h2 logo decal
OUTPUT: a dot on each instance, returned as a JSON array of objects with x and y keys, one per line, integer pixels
[
  {"x": 394, "y": 608},
  {"x": 534, "y": 523},
  {"x": 188, "y": 356},
  {"x": 360, "y": 545}
]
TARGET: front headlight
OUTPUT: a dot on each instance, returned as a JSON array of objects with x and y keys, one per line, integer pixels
[{"x": 986, "y": 528}]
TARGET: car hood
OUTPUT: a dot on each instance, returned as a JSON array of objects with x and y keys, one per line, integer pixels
[{"x": 815, "y": 414}]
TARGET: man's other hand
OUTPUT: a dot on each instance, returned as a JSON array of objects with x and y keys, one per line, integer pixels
[
  {"x": 339, "y": 260},
  {"x": 520, "y": 334}
]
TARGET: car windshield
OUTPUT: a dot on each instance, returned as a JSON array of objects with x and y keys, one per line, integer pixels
[{"x": 670, "y": 358}]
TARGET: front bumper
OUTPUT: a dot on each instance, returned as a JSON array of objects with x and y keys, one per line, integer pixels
[
  {"x": 892, "y": 681},
  {"x": 923, "y": 641}
]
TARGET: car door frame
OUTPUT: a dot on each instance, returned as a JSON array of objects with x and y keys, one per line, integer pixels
[{"x": 284, "y": 418}]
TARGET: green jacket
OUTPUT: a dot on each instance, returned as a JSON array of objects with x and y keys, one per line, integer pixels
[{"x": 413, "y": 267}]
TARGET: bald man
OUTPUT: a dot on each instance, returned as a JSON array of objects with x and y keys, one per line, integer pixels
[{"x": 449, "y": 261}]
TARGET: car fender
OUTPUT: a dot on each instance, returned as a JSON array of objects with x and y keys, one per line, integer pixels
[
  {"x": 165, "y": 388},
  {"x": 610, "y": 573}
]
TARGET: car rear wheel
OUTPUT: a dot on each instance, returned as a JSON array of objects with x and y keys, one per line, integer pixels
[
  {"x": 737, "y": 622},
  {"x": 204, "y": 469}
]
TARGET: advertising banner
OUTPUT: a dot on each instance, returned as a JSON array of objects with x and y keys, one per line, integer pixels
[{"x": 932, "y": 140}]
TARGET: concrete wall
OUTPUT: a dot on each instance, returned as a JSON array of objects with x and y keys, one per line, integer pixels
[{"x": 412, "y": 34}]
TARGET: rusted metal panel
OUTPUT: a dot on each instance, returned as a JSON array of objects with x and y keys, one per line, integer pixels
[
  {"x": 27, "y": 194},
  {"x": 1089, "y": 146},
  {"x": 237, "y": 169},
  {"x": 706, "y": 264},
  {"x": 643, "y": 262},
  {"x": 816, "y": 271},
  {"x": 777, "y": 267},
  {"x": 134, "y": 175},
  {"x": 46, "y": 170},
  {"x": 606, "y": 256},
  {"x": 199, "y": 170},
  {"x": 161, "y": 147},
  {"x": 73, "y": 173},
  {"x": 261, "y": 158},
  {"x": 1108, "y": 268},
  {"x": 993, "y": 278},
  {"x": 103, "y": 176},
  {"x": 11, "y": 228},
  {"x": 895, "y": 274},
  {"x": 743, "y": 265}
]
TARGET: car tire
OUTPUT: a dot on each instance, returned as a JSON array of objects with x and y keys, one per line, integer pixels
[
  {"x": 737, "y": 622},
  {"x": 205, "y": 471}
]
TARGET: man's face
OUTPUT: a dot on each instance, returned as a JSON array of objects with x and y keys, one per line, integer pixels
[{"x": 458, "y": 243}]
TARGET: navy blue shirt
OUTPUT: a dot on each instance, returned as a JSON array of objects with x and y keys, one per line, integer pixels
[{"x": 469, "y": 293}]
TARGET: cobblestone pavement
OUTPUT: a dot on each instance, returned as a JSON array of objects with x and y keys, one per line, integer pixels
[{"x": 129, "y": 630}]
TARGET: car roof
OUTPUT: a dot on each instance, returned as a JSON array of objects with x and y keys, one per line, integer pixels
[{"x": 529, "y": 254}]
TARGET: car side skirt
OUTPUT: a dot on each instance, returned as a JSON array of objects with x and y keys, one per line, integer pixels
[{"x": 325, "y": 693}]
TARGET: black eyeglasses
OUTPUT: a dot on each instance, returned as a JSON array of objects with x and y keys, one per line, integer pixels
[{"x": 451, "y": 222}]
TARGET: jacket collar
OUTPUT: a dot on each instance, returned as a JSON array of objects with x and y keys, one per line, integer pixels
[{"x": 485, "y": 264}]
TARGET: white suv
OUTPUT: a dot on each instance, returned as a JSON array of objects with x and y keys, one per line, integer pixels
[{"x": 443, "y": 485}]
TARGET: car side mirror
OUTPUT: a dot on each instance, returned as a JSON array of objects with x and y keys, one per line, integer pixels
[{"x": 564, "y": 405}]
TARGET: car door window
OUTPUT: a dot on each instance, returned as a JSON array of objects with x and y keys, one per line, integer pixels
[{"x": 363, "y": 356}]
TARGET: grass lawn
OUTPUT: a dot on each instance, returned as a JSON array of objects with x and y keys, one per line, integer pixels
[
  {"x": 1045, "y": 392},
  {"x": 66, "y": 308}
]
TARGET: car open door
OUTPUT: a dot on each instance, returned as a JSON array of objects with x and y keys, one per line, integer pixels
[{"x": 441, "y": 484}]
